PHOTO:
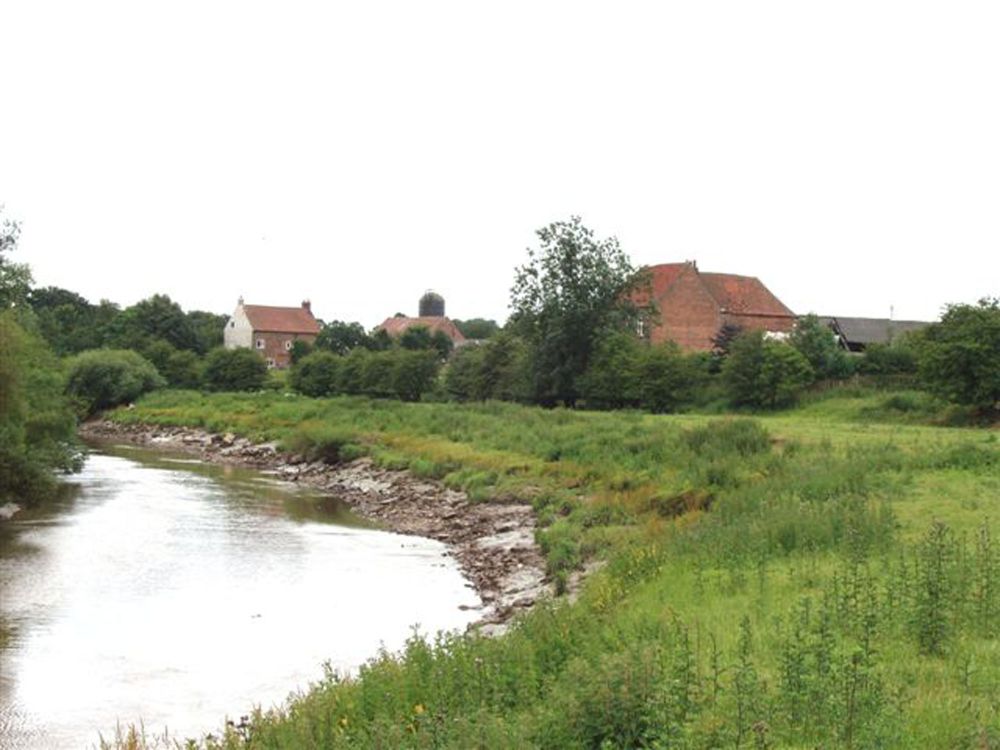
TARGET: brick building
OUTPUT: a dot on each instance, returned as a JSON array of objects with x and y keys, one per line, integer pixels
[
  {"x": 693, "y": 306},
  {"x": 431, "y": 316},
  {"x": 270, "y": 330}
]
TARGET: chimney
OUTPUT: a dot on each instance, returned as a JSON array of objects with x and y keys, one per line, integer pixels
[
  {"x": 307, "y": 306},
  {"x": 240, "y": 300}
]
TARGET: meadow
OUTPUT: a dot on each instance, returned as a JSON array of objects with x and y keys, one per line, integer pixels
[{"x": 822, "y": 577}]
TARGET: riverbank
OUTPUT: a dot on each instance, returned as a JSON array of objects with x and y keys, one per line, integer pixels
[{"x": 494, "y": 542}]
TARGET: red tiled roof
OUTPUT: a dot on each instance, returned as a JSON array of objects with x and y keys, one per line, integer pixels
[
  {"x": 660, "y": 279},
  {"x": 396, "y": 326},
  {"x": 281, "y": 319},
  {"x": 743, "y": 295}
]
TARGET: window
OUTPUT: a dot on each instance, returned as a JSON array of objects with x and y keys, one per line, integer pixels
[
  {"x": 232, "y": 324},
  {"x": 270, "y": 362},
  {"x": 288, "y": 346},
  {"x": 260, "y": 343}
]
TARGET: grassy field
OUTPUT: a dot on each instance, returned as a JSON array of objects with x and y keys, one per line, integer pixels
[{"x": 824, "y": 577}]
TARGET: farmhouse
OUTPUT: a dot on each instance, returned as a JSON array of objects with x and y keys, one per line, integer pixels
[
  {"x": 270, "y": 330},
  {"x": 694, "y": 306},
  {"x": 857, "y": 334},
  {"x": 431, "y": 316}
]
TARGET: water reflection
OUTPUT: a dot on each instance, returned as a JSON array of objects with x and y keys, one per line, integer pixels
[{"x": 178, "y": 592}]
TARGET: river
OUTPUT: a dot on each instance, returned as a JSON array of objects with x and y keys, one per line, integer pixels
[{"x": 170, "y": 592}]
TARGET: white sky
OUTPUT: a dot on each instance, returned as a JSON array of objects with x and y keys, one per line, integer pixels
[{"x": 846, "y": 153}]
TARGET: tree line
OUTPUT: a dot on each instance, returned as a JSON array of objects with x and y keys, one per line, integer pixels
[{"x": 572, "y": 339}]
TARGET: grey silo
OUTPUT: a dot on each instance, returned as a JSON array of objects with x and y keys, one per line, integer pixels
[{"x": 431, "y": 305}]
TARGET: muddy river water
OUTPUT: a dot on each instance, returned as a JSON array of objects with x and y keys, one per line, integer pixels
[{"x": 168, "y": 591}]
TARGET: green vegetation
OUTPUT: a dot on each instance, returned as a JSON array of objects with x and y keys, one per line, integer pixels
[
  {"x": 102, "y": 378},
  {"x": 234, "y": 370},
  {"x": 809, "y": 578}
]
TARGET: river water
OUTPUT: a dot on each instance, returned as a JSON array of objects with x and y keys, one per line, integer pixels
[{"x": 174, "y": 593}]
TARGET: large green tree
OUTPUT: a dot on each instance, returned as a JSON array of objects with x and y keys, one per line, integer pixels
[
  {"x": 573, "y": 289},
  {"x": 156, "y": 317},
  {"x": 15, "y": 278},
  {"x": 959, "y": 358}
]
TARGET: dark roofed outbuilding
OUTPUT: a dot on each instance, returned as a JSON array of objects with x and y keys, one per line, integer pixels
[{"x": 856, "y": 334}]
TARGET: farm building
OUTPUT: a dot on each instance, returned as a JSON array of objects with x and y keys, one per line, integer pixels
[
  {"x": 270, "y": 330},
  {"x": 693, "y": 306},
  {"x": 431, "y": 316},
  {"x": 856, "y": 334}
]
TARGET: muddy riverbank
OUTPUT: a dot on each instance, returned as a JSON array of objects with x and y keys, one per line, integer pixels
[{"x": 494, "y": 543}]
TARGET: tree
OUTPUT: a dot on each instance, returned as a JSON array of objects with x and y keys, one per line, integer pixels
[
  {"x": 573, "y": 289},
  {"x": 317, "y": 374},
  {"x": 207, "y": 328},
  {"x": 37, "y": 424},
  {"x": 413, "y": 373},
  {"x": 300, "y": 349},
  {"x": 818, "y": 344},
  {"x": 667, "y": 378},
  {"x": 15, "y": 278},
  {"x": 959, "y": 358},
  {"x": 340, "y": 337},
  {"x": 764, "y": 373},
  {"x": 612, "y": 379},
  {"x": 156, "y": 317},
  {"x": 234, "y": 370},
  {"x": 102, "y": 378},
  {"x": 477, "y": 328},
  {"x": 68, "y": 321}
]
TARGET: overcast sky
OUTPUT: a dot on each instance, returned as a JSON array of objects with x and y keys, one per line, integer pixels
[{"x": 846, "y": 153}]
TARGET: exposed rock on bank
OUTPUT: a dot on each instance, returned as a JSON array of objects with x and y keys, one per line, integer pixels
[{"x": 493, "y": 542}]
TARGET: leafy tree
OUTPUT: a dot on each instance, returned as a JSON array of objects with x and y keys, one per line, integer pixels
[
  {"x": 507, "y": 368},
  {"x": 896, "y": 358},
  {"x": 413, "y": 373},
  {"x": 666, "y": 378},
  {"x": 818, "y": 344},
  {"x": 416, "y": 338},
  {"x": 764, "y": 373},
  {"x": 573, "y": 288},
  {"x": 102, "y": 378},
  {"x": 612, "y": 380},
  {"x": 442, "y": 344},
  {"x": 37, "y": 424},
  {"x": 157, "y": 317},
  {"x": 379, "y": 341},
  {"x": 377, "y": 374},
  {"x": 340, "y": 337},
  {"x": 959, "y": 358},
  {"x": 183, "y": 369},
  {"x": 477, "y": 328},
  {"x": 300, "y": 348},
  {"x": 15, "y": 278},
  {"x": 208, "y": 329},
  {"x": 463, "y": 379},
  {"x": 234, "y": 370},
  {"x": 317, "y": 374},
  {"x": 352, "y": 371},
  {"x": 68, "y": 321},
  {"x": 721, "y": 343}
]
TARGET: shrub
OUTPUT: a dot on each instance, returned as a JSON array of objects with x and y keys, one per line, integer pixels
[
  {"x": 666, "y": 378},
  {"x": 463, "y": 379},
  {"x": 818, "y": 344},
  {"x": 612, "y": 379},
  {"x": 317, "y": 374},
  {"x": 102, "y": 378},
  {"x": 413, "y": 373},
  {"x": 234, "y": 370},
  {"x": 960, "y": 356},
  {"x": 764, "y": 373}
]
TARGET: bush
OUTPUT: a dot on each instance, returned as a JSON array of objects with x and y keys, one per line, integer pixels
[
  {"x": 818, "y": 344},
  {"x": 612, "y": 379},
  {"x": 102, "y": 378},
  {"x": 234, "y": 370},
  {"x": 413, "y": 373},
  {"x": 764, "y": 373},
  {"x": 667, "y": 378},
  {"x": 960, "y": 356},
  {"x": 317, "y": 374}
]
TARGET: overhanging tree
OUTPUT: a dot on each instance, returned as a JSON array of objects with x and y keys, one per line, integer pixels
[{"x": 573, "y": 289}]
